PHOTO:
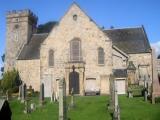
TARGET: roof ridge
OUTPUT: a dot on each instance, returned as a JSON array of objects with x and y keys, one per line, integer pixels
[
  {"x": 123, "y": 28},
  {"x": 39, "y": 33}
]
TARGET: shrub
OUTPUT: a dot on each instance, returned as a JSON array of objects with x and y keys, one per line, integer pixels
[
  {"x": 135, "y": 89},
  {"x": 0, "y": 84},
  {"x": 10, "y": 81},
  {"x": 157, "y": 100},
  {"x": 30, "y": 92}
]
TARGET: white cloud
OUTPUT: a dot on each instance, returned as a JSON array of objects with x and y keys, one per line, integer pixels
[{"x": 156, "y": 46}]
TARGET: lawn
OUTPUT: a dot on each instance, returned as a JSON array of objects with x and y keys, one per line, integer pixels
[{"x": 90, "y": 108}]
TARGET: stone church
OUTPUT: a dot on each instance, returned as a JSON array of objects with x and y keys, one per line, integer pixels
[{"x": 77, "y": 49}]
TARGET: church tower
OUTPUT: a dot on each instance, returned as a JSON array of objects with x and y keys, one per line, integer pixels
[{"x": 19, "y": 29}]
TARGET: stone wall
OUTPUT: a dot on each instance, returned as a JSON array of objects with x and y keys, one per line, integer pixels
[
  {"x": 143, "y": 64},
  {"x": 91, "y": 38},
  {"x": 119, "y": 60},
  {"x": 29, "y": 71},
  {"x": 19, "y": 28},
  {"x": 158, "y": 65}
]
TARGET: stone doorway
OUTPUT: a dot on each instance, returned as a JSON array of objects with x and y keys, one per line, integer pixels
[{"x": 74, "y": 81}]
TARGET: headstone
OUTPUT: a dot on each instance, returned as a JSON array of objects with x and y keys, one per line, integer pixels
[
  {"x": 155, "y": 81},
  {"x": 5, "y": 111},
  {"x": 20, "y": 92},
  {"x": 62, "y": 100},
  {"x": 51, "y": 97},
  {"x": 72, "y": 98},
  {"x": 72, "y": 104},
  {"x": 33, "y": 107},
  {"x": 116, "y": 114},
  {"x": 145, "y": 89},
  {"x": 41, "y": 94},
  {"x": 56, "y": 98},
  {"x": 111, "y": 101},
  {"x": 24, "y": 92},
  {"x": 26, "y": 110},
  {"x": 7, "y": 95},
  {"x": 52, "y": 93},
  {"x": 31, "y": 91},
  {"x": 130, "y": 95}
]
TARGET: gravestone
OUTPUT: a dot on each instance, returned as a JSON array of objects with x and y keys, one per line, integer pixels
[
  {"x": 130, "y": 95},
  {"x": 56, "y": 96},
  {"x": 72, "y": 104},
  {"x": 5, "y": 111},
  {"x": 26, "y": 110},
  {"x": 116, "y": 114},
  {"x": 145, "y": 89},
  {"x": 33, "y": 107},
  {"x": 72, "y": 98},
  {"x": 51, "y": 97},
  {"x": 62, "y": 100},
  {"x": 24, "y": 93},
  {"x": 20, "y": 93},
  {"x": 41, "y": 94},
  {"x": 7, "y": 95},
  {"x": 155, "y": 82},
  {"x": 111, "y": 100}
]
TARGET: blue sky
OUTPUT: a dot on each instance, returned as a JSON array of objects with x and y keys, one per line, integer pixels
[{"x": 117, "y": 13}]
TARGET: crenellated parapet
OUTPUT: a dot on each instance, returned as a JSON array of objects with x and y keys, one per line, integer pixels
[{"x": 22, "y": 13}]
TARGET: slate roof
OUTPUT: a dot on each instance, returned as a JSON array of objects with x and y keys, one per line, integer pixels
[
  {"x": 130, "y": 40},
  {"x": 32, "y": 49},
  {"x": 120, "y": 73}
]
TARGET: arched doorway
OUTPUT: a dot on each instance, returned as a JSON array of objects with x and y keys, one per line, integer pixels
[{"x": 74, "y": 81}]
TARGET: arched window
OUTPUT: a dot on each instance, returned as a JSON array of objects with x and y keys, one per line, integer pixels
[
  {"x": 75, "y": 50},
  {"x": 100, "y": 56},
  {"x": 51, "y": 58}
]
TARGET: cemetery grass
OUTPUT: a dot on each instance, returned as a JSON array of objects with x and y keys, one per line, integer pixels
[{"x": 89, "y": 108}]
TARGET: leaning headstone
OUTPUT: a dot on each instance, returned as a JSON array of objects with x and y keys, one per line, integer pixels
[
  {"x": 41, "y": 94},
  {"x": 62, "y": 100},
  {"x": 24, "y": 92}
]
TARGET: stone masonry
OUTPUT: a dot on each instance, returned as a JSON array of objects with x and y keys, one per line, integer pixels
[
  {"x": 34, "y": 66},
  {"x": 20, "y": 26}
]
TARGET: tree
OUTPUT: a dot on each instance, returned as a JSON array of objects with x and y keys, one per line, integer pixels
[
  {"x": 10, "y": 81},
  {"x": 2, "y": 68}
]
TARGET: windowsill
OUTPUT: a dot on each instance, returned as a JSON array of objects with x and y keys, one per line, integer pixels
[
  {"x": 51, "y": 66},
  {"x": 75, "y": 61},
  {"x": 101, "y": 64}
]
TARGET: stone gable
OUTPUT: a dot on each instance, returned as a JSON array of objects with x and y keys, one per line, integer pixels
[{"x": 91, "y": 38}]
